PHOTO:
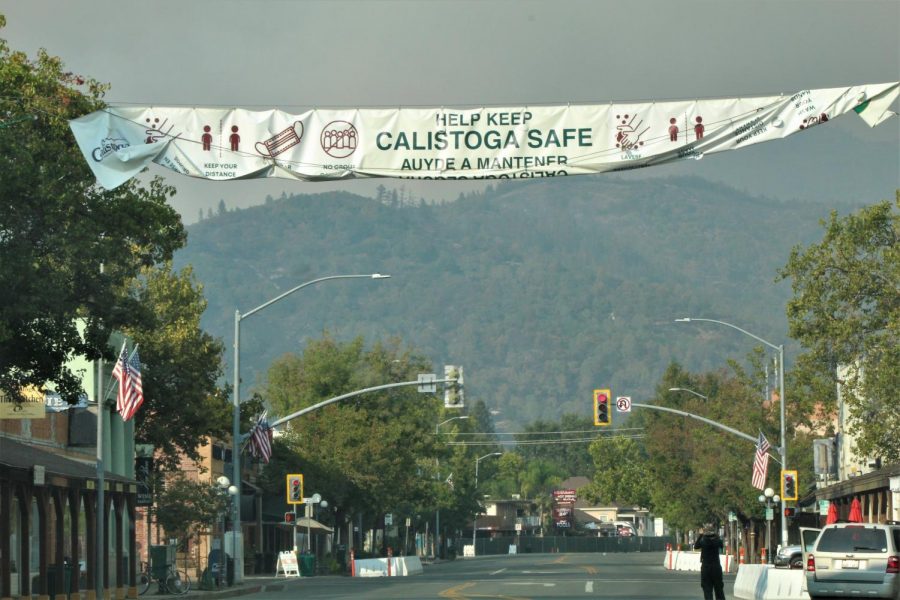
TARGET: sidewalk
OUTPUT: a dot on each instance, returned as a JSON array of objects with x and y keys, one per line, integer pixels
[{"x": 251, "y": 584}]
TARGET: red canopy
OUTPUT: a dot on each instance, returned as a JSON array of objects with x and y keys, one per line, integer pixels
[
  {"x": 832, "y": 514},
  {"x": 855, "y": 512}
]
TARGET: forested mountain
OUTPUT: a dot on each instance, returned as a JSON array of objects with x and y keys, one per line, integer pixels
[{"x": 543, "y": 290}]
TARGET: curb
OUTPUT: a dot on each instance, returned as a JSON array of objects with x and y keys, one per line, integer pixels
[{"x": 233, "y": 592}]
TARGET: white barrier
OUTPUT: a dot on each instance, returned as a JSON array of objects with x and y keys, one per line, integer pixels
[
  {"x": 679, "y": 560},
  {"x": 401, "y": 566},
  {"x": 764, "y": 582},
  {"x": 468, "y": 550}
]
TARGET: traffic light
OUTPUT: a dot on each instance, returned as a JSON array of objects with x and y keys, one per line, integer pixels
[
  {"x": 790, "y": 512},
  {"x": 602, "y": 416},
  {"x": 289, "y": 517},
  {"x": 454, "y": 396},
  {"x": 789, "y": 485},
  {"x": 295, "y": 489}
]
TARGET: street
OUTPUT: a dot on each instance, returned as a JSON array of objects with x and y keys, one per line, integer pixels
[{"x": 558, "y": 576}]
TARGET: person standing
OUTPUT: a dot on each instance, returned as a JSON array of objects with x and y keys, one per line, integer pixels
[{"x": 710, "y": 546}]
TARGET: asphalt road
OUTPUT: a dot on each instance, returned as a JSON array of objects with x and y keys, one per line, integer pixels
[{"x": 633, "y": 576}]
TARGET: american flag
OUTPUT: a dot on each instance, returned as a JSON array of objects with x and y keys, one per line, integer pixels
[
  {"x": 761, "y": 462},
  {"x": 260, "y": 442},
  {"x": 131, "y": 389},
  {"x": 118, "y": 370}
]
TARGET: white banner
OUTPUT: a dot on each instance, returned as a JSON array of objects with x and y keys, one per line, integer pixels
[{"x": 447, "y": 143}]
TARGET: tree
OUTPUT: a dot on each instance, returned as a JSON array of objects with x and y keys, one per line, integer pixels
[
  {"x": 846, "y": 313},
  {"x": 370, "y": 454},
  {"x": 67, "y": 247},
  {"x": 183, "y": 506},
  {"x": 622, "y": 473},
  {"x": 183, "y": 403}
]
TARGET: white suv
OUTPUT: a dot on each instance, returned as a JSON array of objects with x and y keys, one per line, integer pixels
[{"x": 854, "y": 560}]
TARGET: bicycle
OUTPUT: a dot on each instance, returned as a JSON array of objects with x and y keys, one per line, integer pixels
[{"x": 174, "y": 582}]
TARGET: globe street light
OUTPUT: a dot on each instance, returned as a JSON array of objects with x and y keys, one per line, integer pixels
[
  {"x": 223, "y": 487},
  {"x": 314, "y": 499},
  {"x": 698, "y": 394},
  {"x": 770, "y": 499},
  {"x": 236, "y": 390},
  {"x": 475, "y": 520},
  {"x": 782, "y": 449}
]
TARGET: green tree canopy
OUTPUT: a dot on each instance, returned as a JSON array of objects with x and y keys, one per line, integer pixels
[
  {"x": 67, "y": 247},
  {"x": 370, "y": 454},
  {"x": 846, "y": 313},
  {"x": 184, "y": 505},
  {"x": 183, "y": 405}
]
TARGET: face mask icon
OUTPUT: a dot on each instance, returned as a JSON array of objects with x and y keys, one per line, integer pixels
[{"x": 282, "y": 141}]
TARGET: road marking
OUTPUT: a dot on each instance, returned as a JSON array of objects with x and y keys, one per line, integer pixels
[
  {"x": 529, "y": 583},
  {"x": 560, "y": 560},
  {"x": 589, "y": 569},
  {"x": 456, "y": 591},
  {"x": 588, "y": 587},
  {"x": 498, "y": 571}
]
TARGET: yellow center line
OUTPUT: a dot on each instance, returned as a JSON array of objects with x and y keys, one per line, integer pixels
[
  {"x": 560, "y": 560},
  {"x": 456, "y": 593}
]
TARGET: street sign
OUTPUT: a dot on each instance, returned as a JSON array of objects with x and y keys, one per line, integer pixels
[
  {"x": 426, "y": 383},
  {"x": 623, "y": 403},
  {"x": 389, "y": 519},
  {"x": 770, "y": 514}
]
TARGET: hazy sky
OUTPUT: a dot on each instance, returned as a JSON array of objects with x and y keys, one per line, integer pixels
[{"x": 302, "y": 53}]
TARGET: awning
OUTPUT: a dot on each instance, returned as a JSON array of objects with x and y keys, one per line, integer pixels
[{"x": 313, "y": 525}]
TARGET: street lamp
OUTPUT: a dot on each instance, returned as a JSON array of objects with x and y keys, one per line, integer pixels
[
  {"x": 437, "y": 511},
  {"x": 475, "y": 520},
  {"x": 236, "y": 392},
  {"x": 436, "y": 427},
  {"x": 223, "y": 485},
  {"x": 314, "y": 499},
  {"x": 770, "y": 499},
  {"x": 782, "y": 450},
  {"x": 698, "y": 394}
]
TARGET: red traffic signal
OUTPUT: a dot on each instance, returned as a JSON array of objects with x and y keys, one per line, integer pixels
[
  {"x": 289, "y": 517},
  {"x": 790, "y": 512},
  {"x": 602, "y": 416}
]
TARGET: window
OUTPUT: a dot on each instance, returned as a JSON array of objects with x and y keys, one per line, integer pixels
[{"x": 853, "y": 539}]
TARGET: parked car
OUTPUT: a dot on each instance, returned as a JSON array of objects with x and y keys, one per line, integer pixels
[
  {"x": 854, "y": 559},
  {"x": 790, "y": 556}
]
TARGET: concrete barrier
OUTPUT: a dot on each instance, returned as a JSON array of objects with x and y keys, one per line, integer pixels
[
  {"x": 401, "y": 566},
  {"x": 680, "y": 560},
  {"x": 765, "y": 582}
]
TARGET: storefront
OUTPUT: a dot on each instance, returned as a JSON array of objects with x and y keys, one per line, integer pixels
[{"x": 48, "y": 524}]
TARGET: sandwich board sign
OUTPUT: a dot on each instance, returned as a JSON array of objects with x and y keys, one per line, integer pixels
[{"x": 287, "y": 564}]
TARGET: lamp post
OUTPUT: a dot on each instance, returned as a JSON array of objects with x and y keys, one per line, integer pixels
[
  {"x": 782, "y": 449},
  {"x": 314, "y": 499},
  {"x": 223, "y": 487},
  {"x": 475, "y": 520},
  {"x": 236, "y": 392},
  {"x": 437, "y": 511},
  {"x": 698, "y": 394},
  {"x": 436, "y": 427},
  {"x": 321, "y": 504},
  {"x": 770, "y": 499}
]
